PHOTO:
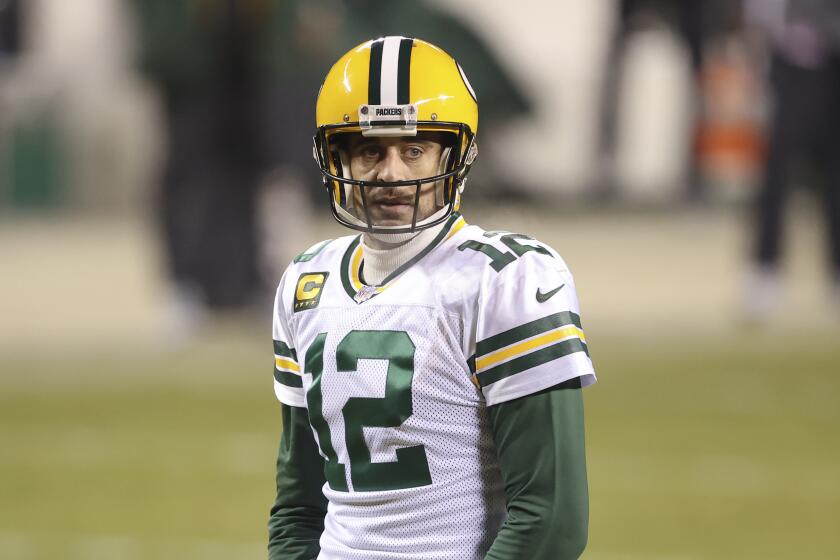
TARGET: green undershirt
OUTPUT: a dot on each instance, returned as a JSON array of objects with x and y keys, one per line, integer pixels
[
  {"x": 540, "y": 445},
  {"x": 297, "y": 516}
]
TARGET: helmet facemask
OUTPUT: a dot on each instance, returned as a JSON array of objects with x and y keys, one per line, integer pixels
[{"x": 349, "y": 197}]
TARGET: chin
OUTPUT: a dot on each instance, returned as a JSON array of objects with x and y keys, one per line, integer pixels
[{"x": 393, "y": 218}]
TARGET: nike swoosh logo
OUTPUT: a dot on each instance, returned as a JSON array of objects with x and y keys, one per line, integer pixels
[{"x": 541, "y": 297}]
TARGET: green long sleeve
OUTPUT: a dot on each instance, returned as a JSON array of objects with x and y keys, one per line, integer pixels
[
  {"x": 297, "y": 516},
  {"x": 540, "y": 443}
]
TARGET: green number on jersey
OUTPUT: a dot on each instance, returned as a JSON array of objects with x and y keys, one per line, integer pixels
[
  {"x": 498, "y": 258},
  {"x": 314, "y": 364},
  {"x": 411, "y": 469}
]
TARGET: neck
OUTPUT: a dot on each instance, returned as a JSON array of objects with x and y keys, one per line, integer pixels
[{"x": 382, "y": 258}]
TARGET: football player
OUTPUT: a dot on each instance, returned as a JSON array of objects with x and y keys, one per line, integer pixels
[{"x": 429, "y": 371}]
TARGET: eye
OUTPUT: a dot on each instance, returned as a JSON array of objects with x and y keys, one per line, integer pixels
[
  {"x": 413, "y": 152},
  {"x": 368, "y": 152}
]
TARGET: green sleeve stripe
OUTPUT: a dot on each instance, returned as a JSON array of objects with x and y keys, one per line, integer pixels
[
  {"x": 527, "y": 330},
  {"x": 283, "y": 349},
  {"x": 531, "y": 360},
  {"x": 288, "y": 379}
]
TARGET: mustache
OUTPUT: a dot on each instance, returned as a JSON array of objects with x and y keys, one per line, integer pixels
[{"x": 390, "y": 198}]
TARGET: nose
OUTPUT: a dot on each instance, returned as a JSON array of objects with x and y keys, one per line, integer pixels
[{"x": 390, "y": 166}]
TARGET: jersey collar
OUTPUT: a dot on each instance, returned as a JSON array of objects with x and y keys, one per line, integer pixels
[{"x": 351, "y": 262}]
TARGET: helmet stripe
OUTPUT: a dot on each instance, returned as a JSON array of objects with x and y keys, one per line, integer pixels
[
  {"x": 390, "y": 71},
  {"x": 375, "y": 72},
  {"x": 404, "y": 72},
  {"x": 390, "y": 67}
]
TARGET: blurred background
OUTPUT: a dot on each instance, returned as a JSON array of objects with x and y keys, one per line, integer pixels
[{"x": 156, "y": 177}]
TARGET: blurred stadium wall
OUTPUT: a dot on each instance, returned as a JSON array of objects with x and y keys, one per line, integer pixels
[
  {"x": 76, "y": 81},
  {"x": 72, "y": 101},
  {"x": 76, "y": 112}
]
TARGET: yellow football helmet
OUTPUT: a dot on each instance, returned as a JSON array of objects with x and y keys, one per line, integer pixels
[{"x": 395, "y": 86}]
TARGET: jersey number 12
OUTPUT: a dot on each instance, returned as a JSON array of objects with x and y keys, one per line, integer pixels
[{"x": 411, "y": 469}]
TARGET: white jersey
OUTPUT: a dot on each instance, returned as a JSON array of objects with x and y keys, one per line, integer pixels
[{"x": 397, "y": 379}]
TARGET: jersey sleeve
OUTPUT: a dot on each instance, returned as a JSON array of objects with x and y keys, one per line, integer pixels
[
  {"x": 529, "y": 335},
  {"x": 288, "y": 383}
]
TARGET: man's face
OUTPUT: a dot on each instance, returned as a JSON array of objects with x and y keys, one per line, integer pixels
[{"x": 395, "y": 159}]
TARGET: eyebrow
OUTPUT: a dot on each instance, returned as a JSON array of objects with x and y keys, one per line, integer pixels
[
  {"x": 363, "y": 145},
  {"x": 407, "y": 140}
]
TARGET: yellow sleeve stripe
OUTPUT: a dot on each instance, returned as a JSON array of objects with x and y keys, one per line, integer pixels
[
  {"x": 286, "y": 364},
  {"x": 527, "y": 345}
]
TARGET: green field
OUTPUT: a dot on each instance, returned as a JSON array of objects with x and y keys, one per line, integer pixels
[{"x": 716, "y": 447}]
